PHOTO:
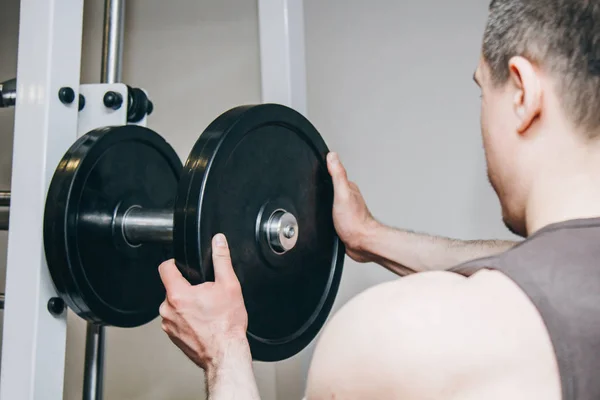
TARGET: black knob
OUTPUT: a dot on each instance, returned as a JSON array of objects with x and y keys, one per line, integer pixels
[
  {"x": 56, "y": 306},
  {"x": 81, "y": 102},
  {"x": 138, "y": 105},
  {"x": 113, "y": 100},
  {"x": 66, "y": 95},
  {"x": 150, "y": 107}
]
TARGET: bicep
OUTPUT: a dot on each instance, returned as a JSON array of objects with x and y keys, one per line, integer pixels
[{"x": 427, "y": 335}]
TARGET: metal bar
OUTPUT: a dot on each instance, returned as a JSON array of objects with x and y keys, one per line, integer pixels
[
  {"x": 111, "y": 72},
  {"x": 282, "y": 53},
  {"x": 4, "y": 199},
  {"x": 33, "y": 340},
  {"x": 112, "y": 41},
  {"x": 4, "y": 217},
  {"x": 94, "y": 362},
  {"x": 148, "y": 226},
  {"x": 1, "y": 301}
]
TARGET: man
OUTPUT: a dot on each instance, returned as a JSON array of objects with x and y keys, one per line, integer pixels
[{"x": 522, "y": 323}]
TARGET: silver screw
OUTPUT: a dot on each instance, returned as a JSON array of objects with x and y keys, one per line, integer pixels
[{"x": 289, "y": 231}]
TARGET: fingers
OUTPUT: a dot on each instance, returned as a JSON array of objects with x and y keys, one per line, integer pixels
[
  {"x": 168, "y": 315},
  {"x": 339, "y": 176},
  {"x": 172, "y": 279},
  {"x": 166, "y": 311},
  {"x": 223, "y": 268}
]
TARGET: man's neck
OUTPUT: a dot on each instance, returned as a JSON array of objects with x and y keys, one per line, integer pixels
[{"x": 564, "y": 197}]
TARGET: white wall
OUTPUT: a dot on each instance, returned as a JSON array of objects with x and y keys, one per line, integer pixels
[{"x": 390, "y": 88}]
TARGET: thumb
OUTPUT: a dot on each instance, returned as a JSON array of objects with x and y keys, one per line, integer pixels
[
  {"x": 172, "y": 279},
  {"x": 222, "y": 260},
  {"x": 339, "y": 176}
]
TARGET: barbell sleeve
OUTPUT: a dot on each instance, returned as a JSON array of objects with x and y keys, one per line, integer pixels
[
  {"x": 148, "y": 226},
  {"x": 138, "y": 225}
]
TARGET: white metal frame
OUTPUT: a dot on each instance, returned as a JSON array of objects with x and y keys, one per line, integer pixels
[
  {"x": 95, "y": 115},
  {"x": 282, "y": 53},
  {"x": 49, "y": 57}
]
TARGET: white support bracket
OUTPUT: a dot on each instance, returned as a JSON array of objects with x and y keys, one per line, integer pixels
[
  {"x": 49, "y": 58},
  {"x": 96, "y": 115}
]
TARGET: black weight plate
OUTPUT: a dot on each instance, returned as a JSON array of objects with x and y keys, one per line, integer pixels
[
  {"x": 249, "y": 162},
  {"x": 99, "y": 275}
]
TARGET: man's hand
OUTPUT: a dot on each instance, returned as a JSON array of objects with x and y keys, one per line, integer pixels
[
  {"x": 352, "y": 219},
  {"x": 208, "y": 323},
  {"x": 401, "y": 251}
]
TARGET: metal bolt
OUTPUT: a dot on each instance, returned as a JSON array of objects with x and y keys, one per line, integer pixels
[
  {"x": 66, "y": 95},
  {"x": 81, "y": 102},
  {"x": 113, "y": 100},
  {"x": 56, "y": 306},
  {"x": 281, "y": 231},
  {"x": 289, "y": 231}
]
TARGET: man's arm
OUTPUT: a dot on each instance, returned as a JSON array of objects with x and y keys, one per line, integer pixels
[
  {"x": 401, "y": 251},
  {"x": 404, "y": 252},
  {"x": 208, "y": 322},
  {"x": 234, "y": 377}
]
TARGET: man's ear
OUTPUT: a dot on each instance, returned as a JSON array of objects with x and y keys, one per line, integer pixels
[{"x": 528, "y": 93}]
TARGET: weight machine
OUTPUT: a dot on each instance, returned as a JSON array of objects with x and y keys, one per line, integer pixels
[{"x": 52, "y": 110}]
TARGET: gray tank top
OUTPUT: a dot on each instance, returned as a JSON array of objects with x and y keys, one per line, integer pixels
[{"x": 558, "y": 267}]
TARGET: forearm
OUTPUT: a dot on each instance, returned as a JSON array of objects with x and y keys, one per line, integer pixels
[
  {"x": 233, "y": 378},
  {"x": 406, "y": 252}
]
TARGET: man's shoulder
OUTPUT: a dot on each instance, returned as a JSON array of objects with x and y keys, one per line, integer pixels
[
  {"x": 438, "y": 328},
  {"x": 443, "y": 289},
  {"x": 441, "y": 297},
  {"x": 488, "y": 304}
]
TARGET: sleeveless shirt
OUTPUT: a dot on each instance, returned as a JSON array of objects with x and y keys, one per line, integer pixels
[{"x": 558, "y": 268}]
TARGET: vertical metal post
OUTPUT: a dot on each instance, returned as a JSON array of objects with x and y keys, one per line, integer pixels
[
  {"x": 112, "y": 41},
  {"x": 49, "y": 56},
  {"x": 93, "y": 374},
  {"x": 283, "y": 81},
  {"x": 282, "y": 53},
  {"x": 111, "y": 71}
]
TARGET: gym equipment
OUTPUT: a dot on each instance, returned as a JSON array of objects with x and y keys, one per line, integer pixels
[
  {"x": 120, "y": 203},
  {"x": 4, "y": 198},
  {"x": 111, "y": 73},
  {"x": 258, "y": 174},
  {"x": 8, "y": 93},
  {"x": 4, "y": 211},
  {"x": 4, "y": 217},
  {"x": 45, "y": 128},
  {"x": 102, "y": 278}
]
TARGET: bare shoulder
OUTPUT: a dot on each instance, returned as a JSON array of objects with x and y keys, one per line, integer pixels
[{"x": 432, "y": 334}]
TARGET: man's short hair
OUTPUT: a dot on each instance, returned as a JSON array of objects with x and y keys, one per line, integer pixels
[{"x": 562, "y": 37}]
